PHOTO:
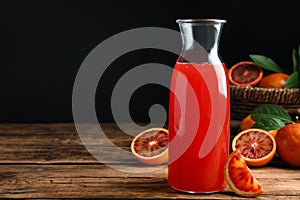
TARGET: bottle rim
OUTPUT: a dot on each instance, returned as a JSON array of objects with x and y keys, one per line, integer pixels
[{"x": 201, "y": 21}]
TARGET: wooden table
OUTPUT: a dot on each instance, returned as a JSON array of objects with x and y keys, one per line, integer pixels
[{"x": 49, "y": 161}]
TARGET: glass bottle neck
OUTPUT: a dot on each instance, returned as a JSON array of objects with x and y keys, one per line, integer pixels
[{"x": 200, "y": 40}]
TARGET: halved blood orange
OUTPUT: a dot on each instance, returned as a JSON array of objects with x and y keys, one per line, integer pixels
[
  {"x": 245, "y": 73},
  {"x": 257, "y": 146},
  {"x": 151, "y": 146},
  {"x": 239, "y": 177}
]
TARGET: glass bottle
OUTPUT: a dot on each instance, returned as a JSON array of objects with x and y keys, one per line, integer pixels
[{"x": 199, "y": 110}]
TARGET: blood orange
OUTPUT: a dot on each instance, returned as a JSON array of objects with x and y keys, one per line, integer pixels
[
  {"x": 239, "y": 177},
  {"x": 245, "y": 73},
  {"x": 288, "y": 144},
  {"x": 151, "y": 146},
  {"x": 257, "y": 146},
  {"x": 274, "y": 80},
  {"x": 246, "y": 123}
]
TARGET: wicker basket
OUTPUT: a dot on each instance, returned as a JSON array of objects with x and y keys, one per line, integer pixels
[{"x": 244, "y": 99}]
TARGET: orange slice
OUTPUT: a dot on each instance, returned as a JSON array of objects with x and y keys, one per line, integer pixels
[
  {"x": 239, "y": 177},
  {"x": 257, "y": 146},
  {"x": 151, "y": 146},
  {"x": 245, "y": 73}
]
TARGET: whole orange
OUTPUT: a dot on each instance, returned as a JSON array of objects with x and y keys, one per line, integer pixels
[
  {"x": 274, "y": 80},
  {"x": 246, "y": 123},
  {"x": 288, "y": 144},
  {"x": 273, "y": 133}
]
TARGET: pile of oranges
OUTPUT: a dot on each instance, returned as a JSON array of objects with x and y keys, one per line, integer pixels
[
  {"x": 251, "y": 73},
  {"x": 256, "y": 147},
  {"x": 248, "y": 73},
  {"x": 252, "y": 146},
  {"x": 287, "y": 141}
]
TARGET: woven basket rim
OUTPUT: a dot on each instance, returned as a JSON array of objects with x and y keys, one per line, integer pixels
[
  {"x": 244, "y": 99},
  {"x": 265, "y": 95},
  {"x": 264, "y": 89}
]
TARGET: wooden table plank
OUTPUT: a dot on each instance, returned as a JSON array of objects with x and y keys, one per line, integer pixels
[
  {"x": 53, "y": 143},
  {"x": 49, "y": 161},
  {"x": 100, "y": 181}
]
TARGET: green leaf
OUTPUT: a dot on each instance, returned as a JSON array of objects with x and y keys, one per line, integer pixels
[
  {"x": 269, "y": 123},
  {"x": 293, "y": 81},
  {"x": 270, "y": 111},
  {"x": 266, "y": 63},
  {"x": 295, "y": 57},
  {"x": 258, "y": 117}
]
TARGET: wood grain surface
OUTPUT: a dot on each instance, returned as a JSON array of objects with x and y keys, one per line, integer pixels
[{"x": 50, "y": 161}]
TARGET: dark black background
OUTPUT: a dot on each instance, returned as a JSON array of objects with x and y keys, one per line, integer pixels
[{"x": 43, "y": 43}]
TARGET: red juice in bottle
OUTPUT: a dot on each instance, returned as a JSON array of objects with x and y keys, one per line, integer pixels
[{"x": 199, "y": 130}]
